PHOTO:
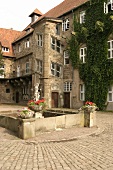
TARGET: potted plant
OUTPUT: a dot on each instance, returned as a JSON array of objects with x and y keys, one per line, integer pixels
[
  {"x": 25, "y": 113},
  {"x": 38, "y": 105},
  {"x": 89, "y": 107}
]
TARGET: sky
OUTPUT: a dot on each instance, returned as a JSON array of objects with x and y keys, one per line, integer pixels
[{"x": 15, "y": 13}]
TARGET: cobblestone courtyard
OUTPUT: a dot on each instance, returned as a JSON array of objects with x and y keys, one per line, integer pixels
[{"x": 93, "y": 151}]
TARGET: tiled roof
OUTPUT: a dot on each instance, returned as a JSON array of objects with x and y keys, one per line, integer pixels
[
  {"x": 36, "y": 11},
  {"x": 6, "y": 38},
  {"x": 59, "y": 10},
  {"x": 64, "y": 7}
]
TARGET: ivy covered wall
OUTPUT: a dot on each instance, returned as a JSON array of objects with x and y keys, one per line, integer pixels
[{"x": 97, "y": 71}]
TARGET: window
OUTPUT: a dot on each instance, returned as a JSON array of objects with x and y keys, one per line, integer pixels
[
  {"x": 67, "y": 86},
  {"x": 2, "y": 68},
  {"x": 34, "y": 18},
  {"x": 7, "y": 90},
  {"x": 55, "y": 44},
  {"x": 110, "y": 49},
  {"x": 27, "y": 67},
  {"x": 25, "y": 93},
  {"x": 82, "y": 92},
  {"x": 108, "y": 6},
  {"x": 83, "y": 54},
  {"x": 58, "y": 46},
  {"x": 66, "y": 57},
  {"x": 58, "y": 29},
  {"x": 55, "y": 69},
  {"x": 27, "y": 44},
  {"x": 19, "y": 48},
  {"x": 40, "y": 40},
  {"x": 65, "y": 25},
  {"x": 5, "y": 49},
  {"x": 82, "y": 17},
  {"x": 110, "y": 94},
  {"x": 39, "y": 66}
]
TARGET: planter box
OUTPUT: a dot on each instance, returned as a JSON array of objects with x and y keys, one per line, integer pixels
[{"x": 26, "y": 128}]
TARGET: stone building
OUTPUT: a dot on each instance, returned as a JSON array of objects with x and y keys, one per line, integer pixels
[{"x": 40, "y": 56}]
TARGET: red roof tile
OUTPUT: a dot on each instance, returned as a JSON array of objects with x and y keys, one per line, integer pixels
[
  {"x": 64, "y": 7},
  {"x": 59, "y": 10},
  {"x": 36, "y": 11},
  {"x": 6, "y": 38}
]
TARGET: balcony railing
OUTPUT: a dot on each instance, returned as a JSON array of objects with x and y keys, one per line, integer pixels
[{"x": 15, "y": 74}]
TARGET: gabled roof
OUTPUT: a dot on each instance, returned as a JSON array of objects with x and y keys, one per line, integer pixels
[
  {"x": 36, "y": 11},
  {"x": 7, "y": 36},
  {"x": 62, "y": 8},
  {"x": 59, "y": 10}
]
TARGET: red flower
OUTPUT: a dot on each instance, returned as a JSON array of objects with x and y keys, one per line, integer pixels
[{"x": 89, "y": 103}]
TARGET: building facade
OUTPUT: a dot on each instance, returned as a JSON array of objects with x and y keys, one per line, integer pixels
[{"x": 40, "y": 57}]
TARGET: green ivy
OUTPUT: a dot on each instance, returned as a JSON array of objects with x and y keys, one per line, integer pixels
[{"x": 97, "y": 72}]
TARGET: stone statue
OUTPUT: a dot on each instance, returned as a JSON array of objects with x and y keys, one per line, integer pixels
[{"x": 37, "y": 93}]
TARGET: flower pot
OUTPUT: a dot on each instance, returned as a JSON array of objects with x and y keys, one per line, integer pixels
[{"x": 35, "y": 108}]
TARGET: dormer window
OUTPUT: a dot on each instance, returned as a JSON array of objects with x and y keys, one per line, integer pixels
[
  {"x": 108, "y": 6},
  {"x": 5, "y": 49},
  {"x": 28, "y": 30},
  {"x": 34, "y": 18}
]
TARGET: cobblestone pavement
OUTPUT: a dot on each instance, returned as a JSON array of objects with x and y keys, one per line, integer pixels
[{"x": 86, "y": 152}]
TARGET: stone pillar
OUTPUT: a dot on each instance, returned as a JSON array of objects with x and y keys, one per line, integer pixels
[
  {"x": 89, "y": 118},
  {"x": 26, "y": 128}
]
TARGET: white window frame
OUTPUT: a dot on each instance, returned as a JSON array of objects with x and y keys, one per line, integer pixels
[
  {"x": 5, "y": 49},
  {"x": 65, "y": 24},
  {"x": 66, "y": 58},
  {"x": 40, "y": 40},
  {"x": 55, "y": 44},
  {"x": 39, "y": 66},
  {"x": 110, "y": 49},
  {"x": 67, "y": 86},
  {"x": 25, "y": 93},
  {"x": 55, "y": 69},
  {"x": 82, "y": 92},
  {"x": 58, "y": 46},
  {"x": 27, "y": 43},
  {"x": 110, "y": 94},
  {"x": 83, "y": 52},
  {"x": 82, "y": 17},
  {"x": 27, "y": 67},
  {"x": 106, "y": 6},
  {"x": 58, "y": 70}
]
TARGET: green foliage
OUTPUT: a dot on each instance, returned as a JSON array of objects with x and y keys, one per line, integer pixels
[{"x": 97, "y": 72}]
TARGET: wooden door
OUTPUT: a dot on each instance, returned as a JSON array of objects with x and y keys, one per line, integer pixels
[
  {"x": 67, "y": 100},
  {"x": 54, "y": 100}
]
